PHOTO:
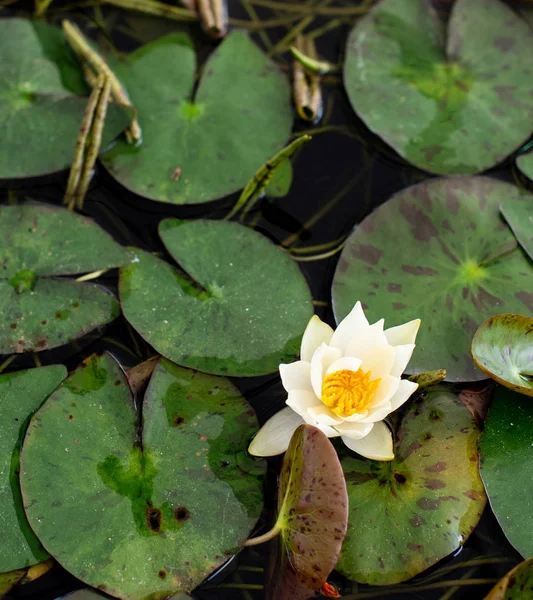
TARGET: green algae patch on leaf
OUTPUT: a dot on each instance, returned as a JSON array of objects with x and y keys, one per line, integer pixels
[
  {"x": 201, "y": 143},
  {"x": 9, "y": 580},
  {"x": 506, "y": 449},
  {"x": 41, "y": 107},
  {"x": 237, "y": 306},
  {"x": 21, "y": 394},
  {"x": 159, "y": 502},
  {"x": 407, "y": 514},
  {"x": 519, "y": 217},
  {"x": 516, "y": 585},
  {"x": 40, "y": 308},
  {"x": 503, "y": 349},
  {"x": 312, "y": 517},
  {"x": 441, "y": 252},
  {"x": 450, "y": 101}
]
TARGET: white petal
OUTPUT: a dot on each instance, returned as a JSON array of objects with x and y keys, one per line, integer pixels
[
  {"x": 404, "y": 391},
  {"x": 377, "y": 445},
  {"x": 274, "y": 437},
  {"x": 372, "y": 336},
  {"x": 296, "y": 376},
  {"x": 322, "y": 359},
  {"x": 327, "y": 430},
  {"x": 378, "y": 414},
  {"x": 356, "y": 417},
  {"x": 324, "y": 415},
  {"x": 403, "y": 356},
  {"x": 386, "y": 390},
  {"x": 301, "y": 401},
  {"x": 353, "y": 325},
  {"x": 354, "y": 430},
  {"x": 316, "y": 333},
  {"x": 346, "y": 363},
  {"x": 403, "y": 334},
  {"x": 379, "y": 360}
]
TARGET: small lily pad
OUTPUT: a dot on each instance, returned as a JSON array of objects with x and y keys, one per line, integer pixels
[
  {"x": 503, "y": 349},
  {"x": 141, "y": 507},
  {"x": 201, "y": 143},
  {"x": 40, "y": 105},
  {"x": 238, "y": 307},
  {"x": 506, "y": 449},
  {"x": 525, "y": 164},
  {"x": 312, "y": 518},
  {"x": 41, "y": 310},
  {"x": 519, "y": 217},
  {"x": 448, "y": 101},
  {"x": 407, "y": 514},
  {"x": 516, "y": 585},
  {"x": 438, "y": 251},
  {"x": 21, "y": 394}
]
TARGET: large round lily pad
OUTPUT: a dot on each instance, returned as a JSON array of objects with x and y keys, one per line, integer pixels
[
  {"x": 449, "y": 100},
  {"x": 21, "y": 394},
  {"x": 312, "y": 517},
  {"x": 407, "y": 514},
  {"x": 39, "y": 309},
  {"x": 238, "y": 307},
  {"x": 438, "y": 251},
  {"x": 201, "y": 143},
  {"x": 503, "y": 348},
  {"x": 519, "y": 217},
  {"x": 40, "y": 105},
  {"x": 516, "y": 585},
  {"x": 141, "y": 511},
  {"x": 506, "y": 449}
]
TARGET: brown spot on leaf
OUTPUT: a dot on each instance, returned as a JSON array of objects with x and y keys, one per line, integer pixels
[
  {"x": 526, "y": 298},
  {"x": 437, "y": 467},
  {"x": 367, "y": 253},
  {"x": 181, "y": 514},
  {"x": 178, "y": 421},
  {"x": 394, "y": 287},
  {"x": 417, "y": 521},
  {"x": 428, "y": 504},
  {"x": 416, "y": 547},
  {"x": 422, "y": 226},
  {"x": 418, "y": 270},
  {"x": 475, "y": 495},
  {"x": 162, "y": 574},
  {"x": 435, "y": 484},
  {"x": 153, "y": 518},
  {"x": 504, "y": 43}
]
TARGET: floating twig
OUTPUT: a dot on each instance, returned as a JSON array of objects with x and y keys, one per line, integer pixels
[
  {"x": 306, "y": 88},
  {"x": 214, "y": 17},
  {"x": 98, "y": 65}
]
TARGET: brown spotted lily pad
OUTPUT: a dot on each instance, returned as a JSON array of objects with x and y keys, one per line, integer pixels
[
  {"x": 312, "y": 517},
  {"x": 407, "y": 514},
  {"x": 439, "y": 251},
  {"x": 503, "y": 349},
  {"x": 141, "y": 508},
  {"x": 452, "y": 99},
  {"x": 516, "y": 585},
  {"x": 41, "y": 309}
]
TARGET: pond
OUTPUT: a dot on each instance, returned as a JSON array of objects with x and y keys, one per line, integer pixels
[{"x": 394, "y": 112}]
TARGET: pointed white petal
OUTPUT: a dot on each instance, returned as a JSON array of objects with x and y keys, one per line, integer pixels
[
  {"x": 296, "y": 376},
  {"x": 346, "y": 363},
  {"x": 274, "y": 437},
  {"x": 316, "y": 333},
  {"x": 403, "y": 334},
  {"x": 356, "y": 417},
  {"x": 326, "y": 429},
  {"x": 372, "y": 336},
  {"x": 352, "y": 326},
  {"x": 403, "y": 356},
  {"x": 386, "y": 390},
  {"x": 301, "y": 401},
  {"x": 324, "y": 415},
  {"x": 404, "y": 391},
  {"x": 378, "y": 414},
  {"x": 379, "y": 360},
  {"x": 354, "y": 430},
  {"x": 322, "y": 359},
  {"x": 377, "y": 445}
]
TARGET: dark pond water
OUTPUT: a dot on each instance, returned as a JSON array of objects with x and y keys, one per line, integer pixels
[{"x": 339, "y": 178}]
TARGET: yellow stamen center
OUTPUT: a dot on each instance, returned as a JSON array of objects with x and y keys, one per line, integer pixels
[{"x": 348, "y": 392}]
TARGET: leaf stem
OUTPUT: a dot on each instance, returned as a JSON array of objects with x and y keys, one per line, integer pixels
[
  {"x": 214, "y": 17},
  {"x": 159, "y": 9},
  {"x": 7, "y": 362},
  {"x": 266, "y": 537},
  {"x": 297, "y": 7}
]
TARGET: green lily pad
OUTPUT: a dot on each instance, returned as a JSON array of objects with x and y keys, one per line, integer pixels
[
  {"x": 407, "y": 514},
  {"x": 40, "y": 107},
  {"x": 506, "y": 449},
  {"x": 141, "y": 511},
  {"x": 9, "y": 580},
  {"x": 519, "y": 217},
  {"x": 21, "y": 394},
  {"x": 242, "y": 313},
  {"x": 503, "y": 349},
  {"x": 312, "y": 517},
  {"x": 201, "y": 143},
  {"x": 455, "y": 101},
  {"x": 86, "y": 594},
  {"x": 516, "y": 585},
  {"x": 40, "y": 310},
  {"x": 438, "y": 251},
  {"x": 525, "y": 164}
]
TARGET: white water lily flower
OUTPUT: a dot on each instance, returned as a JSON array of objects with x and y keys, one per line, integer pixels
[{"x": 346, "y": 383}]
